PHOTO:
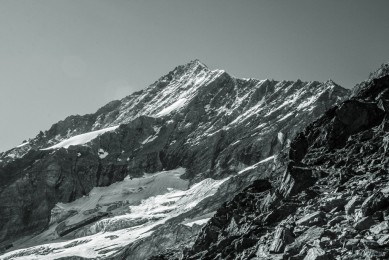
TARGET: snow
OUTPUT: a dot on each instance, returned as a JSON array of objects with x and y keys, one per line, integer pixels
[
  {"x": 23, "y": 144},
  {"x": 11, "y": 155},
  {"x": 250, "y": 112},
  {"x": 81, "y": 139},
  {"x": 280, "y": 137},
  {"x": 254, "y": 166},
  {"x": 163, "y": 196},
  {"x": 236, "y": 142},
  {"x": 307, "y": 103},
  {"x": 266, "y": 159},
  {"x": 286, "y": 116},
  {"x": 102, "y": 154},
  {"x": 198, "y": 222},
  {"x": 150, "y": 139},
  {"x": 176, "y": 105}
]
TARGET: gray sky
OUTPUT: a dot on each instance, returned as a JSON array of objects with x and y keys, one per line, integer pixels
[{"x": 59, "y": 58}]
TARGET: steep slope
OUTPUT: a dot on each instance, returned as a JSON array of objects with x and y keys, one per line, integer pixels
[
  {"x": 332, "y": 201},
  {"x": 210, "y": 123}
]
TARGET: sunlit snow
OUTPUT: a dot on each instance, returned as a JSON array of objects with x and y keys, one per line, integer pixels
[
  {"x": 252, "y": 167},
  {"x": 102, "y": 154},
  {"x": 23, "y": 144},
  {"x": 198, "y": 222},
  {"x": 176, "y": 105},
  {"x": 162, "y": 196},
  {"x": 81, "y": 139}
]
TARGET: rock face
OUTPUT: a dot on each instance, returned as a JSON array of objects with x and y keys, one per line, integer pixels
[
  {"x": 333, "y": 199},
  {"x": 216, "y": 126}
]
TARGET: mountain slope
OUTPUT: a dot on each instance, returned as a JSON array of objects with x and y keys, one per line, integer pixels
[
  {"x": 210, "y": 123},
  {"x": 332, "y": 201}
]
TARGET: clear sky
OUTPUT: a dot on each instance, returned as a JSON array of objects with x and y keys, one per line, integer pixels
[{"x": 65, "y": 57}]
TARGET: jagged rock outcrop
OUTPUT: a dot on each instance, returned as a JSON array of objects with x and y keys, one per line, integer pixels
[
  {"x": 211, "y": 123},
  {"x": 333, "y": 199}
]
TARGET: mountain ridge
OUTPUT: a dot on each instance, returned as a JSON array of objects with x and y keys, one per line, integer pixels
[{"x": 189, "y": 67}]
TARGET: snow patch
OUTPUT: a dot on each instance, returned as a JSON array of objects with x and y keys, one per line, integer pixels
[
  {"x": 81, "y": 139},
  {"x": 102, "y": 154},
  {"x": 176, "y": 105},
  {"x": 280, "y": 137},
  {"x": 307, "y": 103},
  {"x": 23, "y": 144},
  {"x": 199, "y": 222},
  {"x": 11, "y": 155},
  {"x": 252, "y": 167},
  {"x": 286, "y": 116}
]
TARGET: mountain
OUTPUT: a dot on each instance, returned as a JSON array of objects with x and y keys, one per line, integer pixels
[
  {"x": 143, "y": 174},
  {"x": 332, "y": 201}
]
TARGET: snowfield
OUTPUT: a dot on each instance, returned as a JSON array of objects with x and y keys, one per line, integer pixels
[{"x": 151, "y": 201}]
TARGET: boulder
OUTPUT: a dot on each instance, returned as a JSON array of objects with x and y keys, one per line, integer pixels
[
  {"x": 352, "y": 243},
  {"x": 335, "y": 220},
  {"x": 384, "y": 240},
  {"x": 380, "y": 227},
  {"x": 309, "y": 236},
  {"x": 364, "y": 223},
  {"x": 373, "y": 203},
  {"x": 316, "y": 253},
  {"x": 282, "y": 237},
  {"x": 296, "y": 179},
  {"x": 352, "y": 204},
  {"x": 315, "y": 218},
  {"x": 333, "y": 203}
]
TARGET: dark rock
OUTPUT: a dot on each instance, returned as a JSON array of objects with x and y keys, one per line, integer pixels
[
  {"x": 296, "y": 179},
  {"x": 314, "y": 219},
  {"x": 352, "y": 244},
  {"x": 282, "y": 237},
  {"x": 332, "y": 203},
  {"x": 364, "y": 223},
  {"x": 375, "y": 202},
  {"x": 63, "y": 229},
  {"x": 370, "y": 187},
  {"x": 309, "y": 236},
  {"x": 370, "y": 243},
  {"x": 336, "y": 220}
]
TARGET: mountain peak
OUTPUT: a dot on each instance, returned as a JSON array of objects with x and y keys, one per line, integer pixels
[
  {"x": 196, "y": 62},
  {"x": 330, "y": 82},
  {"x": 364, "y": 87},
  {"x": 193, "y": 65}
]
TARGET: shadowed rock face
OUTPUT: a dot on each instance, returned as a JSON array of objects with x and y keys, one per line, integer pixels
[
  {"x": 206, "y": 121},
  {"x": 333, "y": 199}
]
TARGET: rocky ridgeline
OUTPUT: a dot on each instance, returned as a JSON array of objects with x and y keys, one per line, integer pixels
[
  {"x": 332, "y": 202},
  {"x": 213, "y": 124}
]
